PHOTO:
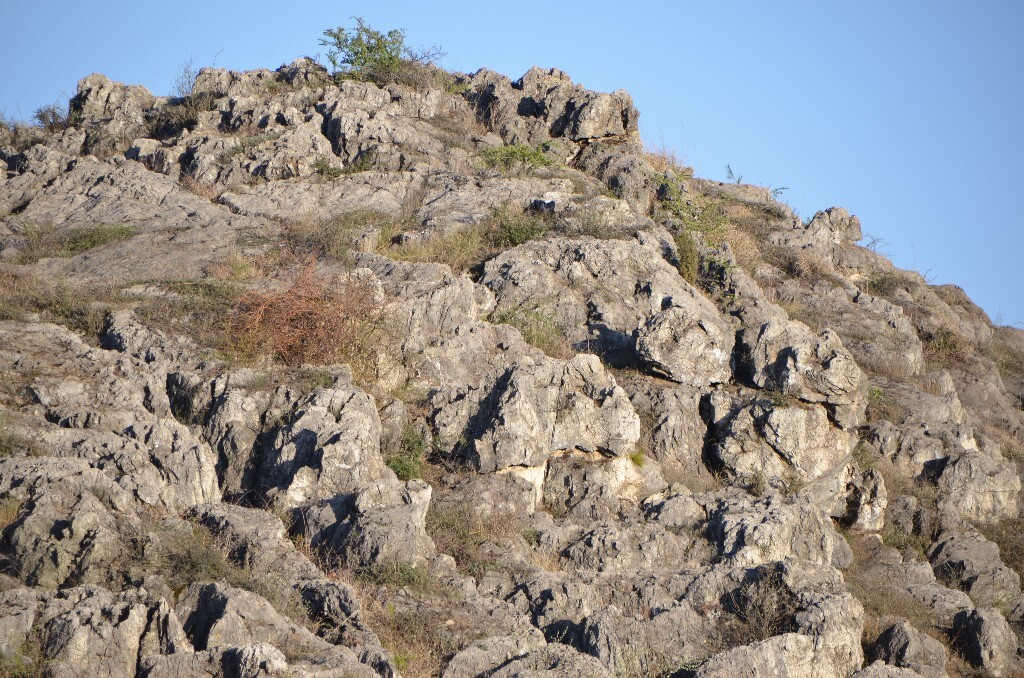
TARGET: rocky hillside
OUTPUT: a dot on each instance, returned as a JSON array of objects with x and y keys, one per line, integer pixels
[{"x": 306, "y": 377}]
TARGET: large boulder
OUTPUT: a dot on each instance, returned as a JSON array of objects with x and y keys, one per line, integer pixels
[
  {"x": 987, "y": 640},
  {"x": 601, "y": 292},
  {"x": 786, "y": 357},
  {"x": 519, "y": 415}
]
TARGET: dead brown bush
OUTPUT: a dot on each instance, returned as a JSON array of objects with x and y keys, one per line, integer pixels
[{"x": 313, "y": 320}]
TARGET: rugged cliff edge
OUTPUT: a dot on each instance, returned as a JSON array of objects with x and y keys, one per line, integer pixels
[{"x": 306, "y": 378}]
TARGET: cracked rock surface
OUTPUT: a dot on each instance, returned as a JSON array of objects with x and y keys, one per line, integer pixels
[{"x": 296, "y": 378}]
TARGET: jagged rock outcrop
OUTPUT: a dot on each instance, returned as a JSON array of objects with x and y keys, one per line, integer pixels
[
  {"x": 518, "y": 417},
  {"x": 600, "y": 417}
]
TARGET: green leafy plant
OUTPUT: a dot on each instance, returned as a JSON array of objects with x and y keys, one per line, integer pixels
[
  {"x": 325, "y": 169},
  {"x": 363, "y": 162},
  {"x": 366, "y": 54},
  {"x": 515, "y": 158},
  {"x": 45, "y": 241},
  {"x": 407, "y": 462}
]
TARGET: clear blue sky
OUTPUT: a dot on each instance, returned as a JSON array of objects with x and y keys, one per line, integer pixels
[{"x": 908, "y": 113}]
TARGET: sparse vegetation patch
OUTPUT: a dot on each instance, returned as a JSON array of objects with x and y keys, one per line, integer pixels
[{"x": 48, "y": 242}]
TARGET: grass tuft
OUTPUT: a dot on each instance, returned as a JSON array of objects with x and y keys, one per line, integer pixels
[
  {"x": 538, "y": 328},
  {"x": 514, "y": 158},
  {"x": 45, "y": 242}
]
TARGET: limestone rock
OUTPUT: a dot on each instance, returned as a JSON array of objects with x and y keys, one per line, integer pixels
[
  {"x": 329, "y": 446},
  {"x": 777, "y": 442},
  {"x": 113, "y": 112},
  {"x": 785, "y": 356},
  {"x": 756, "y": 531},
  {"x": 521, "y": 415},
  {"x": 904, "y": 646},
  {"x": 686, "y": 344},
  {"x": 544, "y": 104},
  {"x": 987, "y": 640},
  {"x": 601, "y": 291},
  {"x": 972, "y": 563}
]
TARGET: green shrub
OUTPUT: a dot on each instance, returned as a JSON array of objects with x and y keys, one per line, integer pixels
[
  {"x": 366, "y": 54},
  {"x": 407, "y": 462},
  {"x": 363, "y": 162},
  {"x": 324, "y": 168},
  {"x": 513, "y": 227},
  {"x": 689, "y": 257},
  {"x": 514, "y": 158}
]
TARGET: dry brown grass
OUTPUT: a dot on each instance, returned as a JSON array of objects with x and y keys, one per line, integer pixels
[
  {"x": 884, "y": 604},
  {"x": 881, "y": 405},
  {"x": 460, "y": 250},
  {"x": 237, "y": 267},
  {"x": 421, "y": 640},
  {"x": 9, "y": 508},
  {"x": 187, "y": 553},
  {"x": 1008, "y": 534},
  {"x": 45, "y": 241},
  {"x": 507, "y": 226},
  {"x": 1005, "y": 350},
  {"x": 944, "y": 347},
  {"x": 333, "y": 238},
  {"x": 463, "y": 531},
  {"x": 211, "y": 192},
  {"x": 538, "y": 328},
  {"x": 80, "y": 308},
  {"x": 663, "y": 160},
  {"x": 312, "y": 320},
  {"x": 763, "y": 608}
]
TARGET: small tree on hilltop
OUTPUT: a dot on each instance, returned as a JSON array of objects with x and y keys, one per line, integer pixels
[{"x": 369, "y": 55}]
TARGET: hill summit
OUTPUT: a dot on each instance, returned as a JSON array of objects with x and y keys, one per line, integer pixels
[{"x": 448, "y": 375}]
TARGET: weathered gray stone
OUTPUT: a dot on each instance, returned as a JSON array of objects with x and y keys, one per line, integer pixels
[
  {"x": 904, "y": 646},
  {"x": 519, "y": 416},
  {"x": 786, "y": 357},
  {"x": 777, "y": 441},
  {"x": 987, "y": 640}
]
